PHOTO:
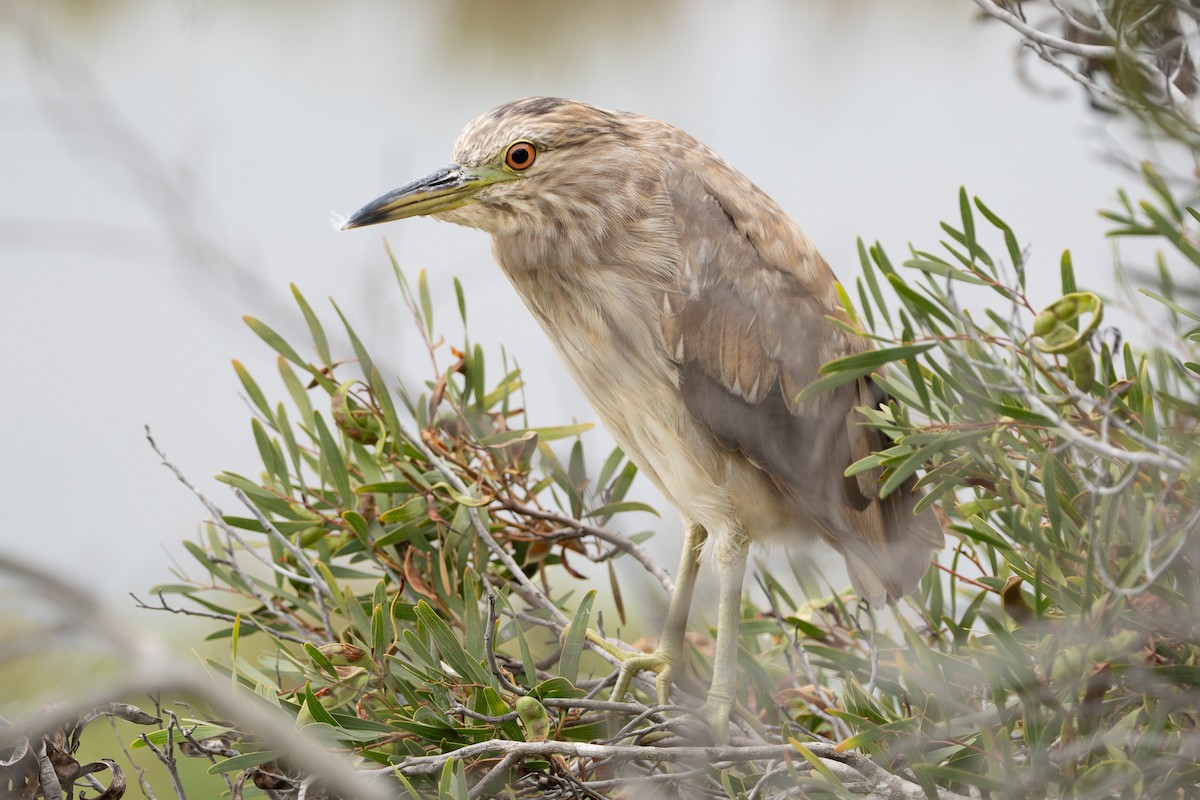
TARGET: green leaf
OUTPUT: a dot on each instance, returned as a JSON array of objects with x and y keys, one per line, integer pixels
[
  {"x": 1122, "y": 778},
  {"x": 1010, "y": 240},
  {"x": 298, "y": 393},
  {"x": 243, "y": 761},
  {"x": 548, "y": 434},
  {"x": 316, "y": 710},
  {"x": 849, "y": 368},
  {"x": 276, "y": 341},
  {"x": 462, "y": 300},
  {"x": 314, "y": 327},
  {"x": 609, "y": 509},
  {"x": 610, "y": 465},
  {"x": 383, "y": 398},
  {"x": 865, "y": 303},
  {"x": 916, "y": 302},
  {"x": 951, "y": 774},
  {"x": 1178, "y": 309},
  {"x": 333, "y": 459},
  {"x": 835, "y": 785},
  {"x": 320, "y": 660},
  {"x": 869, "y": 273},
  {"x": 451, "y": 650},
  {"x": 1067, "y": 272},
  {"x": 945, "y": 270},
  {"x": 568, "y": 665},
  {"x": 197, "y": 729},
  {"x": 426, "y": 302},
  {"x": 253, "y": 392},
  {"x": 364, "y": 358},
  {"x": 968, "y": 221}
]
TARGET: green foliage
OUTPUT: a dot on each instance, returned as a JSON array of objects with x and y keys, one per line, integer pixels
[
  {"x": 402, "y": 584},
  {"x": 1054, "y": 656},
  {"x": 387, "y": 585}
]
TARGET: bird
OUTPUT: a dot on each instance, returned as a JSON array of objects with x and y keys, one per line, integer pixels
[{"x": 692, "y": 311}]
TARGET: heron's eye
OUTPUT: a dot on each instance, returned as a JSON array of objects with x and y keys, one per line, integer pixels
[{"x": 520, "y": 156}]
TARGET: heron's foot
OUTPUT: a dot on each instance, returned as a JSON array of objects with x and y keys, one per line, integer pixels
[
  {"x": 663, "y": 665},
  {"x": 715, "y": 712}
]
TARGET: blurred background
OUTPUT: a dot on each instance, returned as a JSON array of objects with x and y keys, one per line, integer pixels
[{"x": 169, "y": 167}]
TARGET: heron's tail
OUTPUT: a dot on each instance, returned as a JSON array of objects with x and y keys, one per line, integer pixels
[{"x": 887, "y": 547}]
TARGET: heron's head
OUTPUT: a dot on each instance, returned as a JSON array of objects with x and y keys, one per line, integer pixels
[{"x": 537, "y": 164}]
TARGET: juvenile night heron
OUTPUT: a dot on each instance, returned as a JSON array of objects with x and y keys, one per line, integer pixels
[{"x": 692, "y": 311}]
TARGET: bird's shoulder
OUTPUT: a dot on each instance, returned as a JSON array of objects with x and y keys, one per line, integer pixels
[
  {"x": 748, "y": 327},
  {"x": 752, "y": 297}
]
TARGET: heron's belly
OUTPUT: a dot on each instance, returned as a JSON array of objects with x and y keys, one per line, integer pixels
[{"x": 633, "y": 388}]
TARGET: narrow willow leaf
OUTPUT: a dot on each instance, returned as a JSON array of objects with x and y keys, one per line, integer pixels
[
  {"x": 572, "y": 648},
  {"x": 450, "y": 649},
  {"x": 462, "y": 300},
  {"x": 610, "y": 465},
  {"x": 320, "y": 342},
  {"x": 199, "y": 731},
  {"x": 332, "y": 458},
  {"x": 919, "y": 304},
  {"x": 243, "y": 761},
  {"x": 945, "y": 270},
  {"x": 968, "y": 221},
  {"x": 620, "y": 485},
  {"x": 379, "y": 632},
  {"x": 426, "y": 302},
  {"x": 1178, "y": 309},
  {"x": 383, "y": 398},
  {"x": 364, "y": 358},
  {"x": 609, "y": 509},
  {"x": 835, "y": 785},
  {"x": 847, "y": 305},
  {"x": 320, "y": 660},
  {"x": 1067, "y": 271},
  {"x": 1010, "y": 240},
  {"x": 866, "y": 304},
  {"x": 253, "y": 392},
  {"x": 527, "y": 662},
  {"x": 388, "y": 487},
  {"x": 952, "y": 774},
  {"x": 319, "y": 712},
  {"x": 576, "y": 469},
  {"x": 849, "y": 368},
  {"x": 869, "y": 273},
  {"x": 477, "y": 374},
  {"x": 276, "y": 341},
  {"x": 358, "y": 524}
]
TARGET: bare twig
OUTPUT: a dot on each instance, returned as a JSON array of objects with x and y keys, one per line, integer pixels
[{"x": 616, "y": 539}]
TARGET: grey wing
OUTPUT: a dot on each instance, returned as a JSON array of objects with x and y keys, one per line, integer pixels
[{"x": 746, "y": 335}]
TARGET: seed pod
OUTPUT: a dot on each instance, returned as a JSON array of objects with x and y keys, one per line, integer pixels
[{"x": 534, "y": 717}]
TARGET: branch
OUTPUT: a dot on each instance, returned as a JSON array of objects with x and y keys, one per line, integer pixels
[
  {"x": 617, "y": 540},
  {"x": 1096, "y": 51},
  {"x": 720, "y": 757}
]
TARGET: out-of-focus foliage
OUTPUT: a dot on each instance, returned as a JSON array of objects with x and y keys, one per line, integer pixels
[
  {"x": 1055, "y": 655},
  {"x": 1135, "y": 57}
]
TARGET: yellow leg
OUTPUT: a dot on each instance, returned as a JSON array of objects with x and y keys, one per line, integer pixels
[
  {"x": 668, "y": 657},
  {"x": 732, "y": 565}
]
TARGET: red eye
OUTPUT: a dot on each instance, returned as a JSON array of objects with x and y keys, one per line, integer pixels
[{"x": 520, "y": 156}]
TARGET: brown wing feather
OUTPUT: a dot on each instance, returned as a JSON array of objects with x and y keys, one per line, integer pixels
[{"x": 747, "y": 333}]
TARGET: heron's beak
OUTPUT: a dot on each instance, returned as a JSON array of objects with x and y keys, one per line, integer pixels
[{"x": 449, "y": 187}]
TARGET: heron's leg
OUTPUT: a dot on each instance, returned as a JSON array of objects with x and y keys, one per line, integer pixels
[
  {"x": 731, "y": 560},
  {"x": 668, "y": 657}
]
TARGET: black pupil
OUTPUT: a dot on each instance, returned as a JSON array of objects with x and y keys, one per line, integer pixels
[{"x": 519, "y": 155}]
